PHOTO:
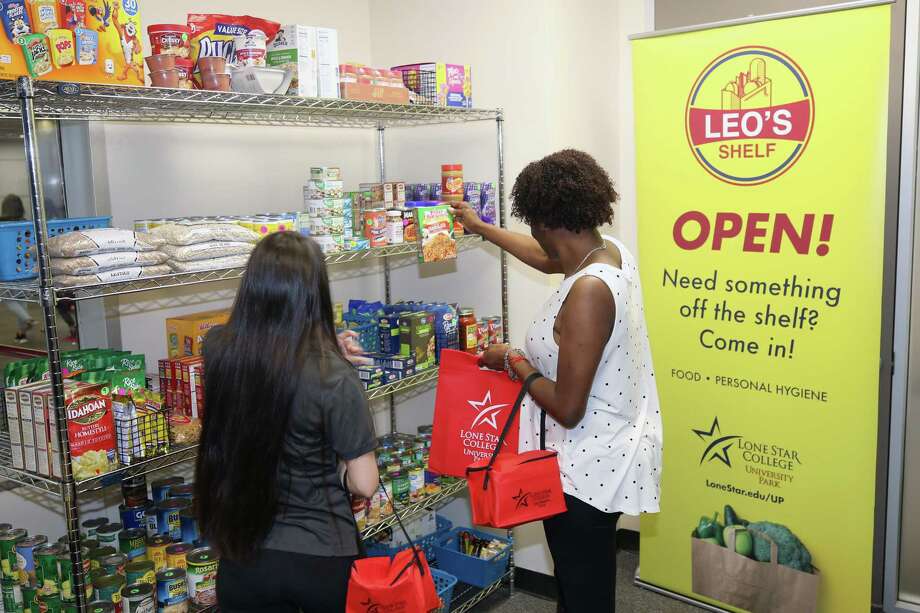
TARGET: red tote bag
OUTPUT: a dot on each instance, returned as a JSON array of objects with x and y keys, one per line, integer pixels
[
  {"x": 510, "y": 488},
  {"x": 472, "y": 407}
]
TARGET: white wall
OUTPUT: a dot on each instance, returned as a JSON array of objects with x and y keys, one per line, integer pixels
[{"x": 12, "y": 169}]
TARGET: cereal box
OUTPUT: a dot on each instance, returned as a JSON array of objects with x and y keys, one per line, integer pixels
[
  {"x": 90, "y": 430},
  {"x": 185, "y": 334},
  {"x": 435, "y": 233},
  {"x": 294, "y": 49}
]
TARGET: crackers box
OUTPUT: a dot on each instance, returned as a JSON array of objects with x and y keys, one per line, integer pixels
[
  {"x": 185, "y": 334},
  {"x": 294, "y": 49}
]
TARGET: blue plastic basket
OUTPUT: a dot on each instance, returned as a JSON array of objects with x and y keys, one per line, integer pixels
[
  {"x": 444, "y": 583},
  {"x": 368, "y": 335},
  {"x": 474, "y": 571},
  {"x": 427, "y": 543},
  {"x": 17, "y": 238}
]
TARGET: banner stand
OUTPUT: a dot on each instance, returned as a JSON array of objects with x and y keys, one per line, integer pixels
[{"x": 651, "y": 587}]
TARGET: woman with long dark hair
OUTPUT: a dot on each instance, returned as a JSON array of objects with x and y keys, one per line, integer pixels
[
  {"x": 286, "y": 435},
  {"x": 596, "y": 399}
]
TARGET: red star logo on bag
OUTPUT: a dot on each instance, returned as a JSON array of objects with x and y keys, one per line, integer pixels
[{"x": 487, "y": 412}]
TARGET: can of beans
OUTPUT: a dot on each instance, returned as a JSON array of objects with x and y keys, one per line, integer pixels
[
  {"x": 8, "y": 541},
  {"x": 91, "y": 525},
  {"x": 25, "y": 556},
  {"x": 134, "y": 516},
  {"x": 189, "y": 523},
  {"x": 138, "y": 598},
  {"x": 159, "y": 489},
  {"x": 164, "y": 518},
  {"x": 176, "y": 555},
  {"x": 133, "y": 543},
  {"x": 47, "y": 574},
  {"x": 140, "y": 571},
  {"x": 156, "y": 550},
  {"x": 134, "y": 491},
  {"x": 202, "y": 577},
  {"x": 114, "y": 564},
  {"x": 172, "y": 588},
  {"x": 108, "y": 589}
]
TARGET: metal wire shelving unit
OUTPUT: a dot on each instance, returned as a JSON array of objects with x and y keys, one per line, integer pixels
[{"x": 28, "y": 100}]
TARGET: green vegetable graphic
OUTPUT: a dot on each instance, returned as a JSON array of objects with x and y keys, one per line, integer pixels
[
  {"x": 744, "y": 542},
  {"x": 731, "y": 518},
  {"x": 707, "y": 526},
  {"x": 792, "y": 552}
]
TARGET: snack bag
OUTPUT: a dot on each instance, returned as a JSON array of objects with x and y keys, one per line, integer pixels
[{"x": 215, "y": 35}]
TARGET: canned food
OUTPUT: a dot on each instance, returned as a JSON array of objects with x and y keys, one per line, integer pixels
[
  {"x": 134, "y": 491},
  {"x": 12, "y": 596},
  {"x": 133, "y": 543},
  {"x": 138, "y": 598},
  {"x": 189, "y": 523},
  {"x": 30, "y": 599},
  {"x": 156, "y": 550},
  {"x": 183, "y": 490},
  {"x": 65, "y": 568},
  {"x": 47, "y": 574},
  {"x": 400, "y": 487},
  {"x": 164, "y": 518},
  {"x": 134, "y": 516},
  {"x": 97, "y": 555},
  {"x": 101, "y": 607},
  {"x": 69, "y": 608},
  {"x": 90, "y": 544},
  {"x": 108, "y": 534},
  {"x": 46, "y": 604},
  {"x": 91, "y": 525},
  {"x": 375, "y": 227},
  {"x": 25, "y": 556},
  {"x": 140, "y": 571},
  {"x": 416, "y": 483},
  {"x": 172, "y": 587},
  {"x": 202, "y": 576},
  {"x": 175, "y": 555},
  {"x": 114, "y": 564},
  {"x": 5, "y": 527},
  {"x": 159, "y": 489},
  {"x": 108, "y": 589},
  {"x": 8, "y": 562}
]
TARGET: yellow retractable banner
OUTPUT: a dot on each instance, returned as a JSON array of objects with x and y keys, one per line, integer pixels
[{"x": 761, "y": 193}]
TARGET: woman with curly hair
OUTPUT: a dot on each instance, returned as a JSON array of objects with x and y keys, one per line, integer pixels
[{"x": 595, "y": 402}]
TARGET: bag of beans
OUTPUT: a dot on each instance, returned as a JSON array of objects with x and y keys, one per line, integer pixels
[
  {"x": 100, "y": 240},
  {"x": 102, "y": 262}
]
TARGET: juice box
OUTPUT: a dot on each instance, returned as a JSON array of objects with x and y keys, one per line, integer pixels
[
  {"x": 294, "y": 49},
  {"x": 185, "y": 334}
]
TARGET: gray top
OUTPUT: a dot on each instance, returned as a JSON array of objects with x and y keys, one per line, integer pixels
[{"x": 331, "y": 422}]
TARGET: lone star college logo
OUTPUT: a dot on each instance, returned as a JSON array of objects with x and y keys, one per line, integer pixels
[
  {"x": 718, "y": 445},
  {"x": 487, "y": 412},
  {"x": 521, "y": 499},
  {"x": 749, "y": 115}
]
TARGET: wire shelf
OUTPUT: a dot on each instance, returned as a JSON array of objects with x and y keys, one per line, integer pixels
[
  {"x": 410, "y": 511},
  {"x": 28, "y": 291},
  {"x": 468, "y": 596},
  {"x": 404, "y": 384},
  {"x": 90, "y": 102}
]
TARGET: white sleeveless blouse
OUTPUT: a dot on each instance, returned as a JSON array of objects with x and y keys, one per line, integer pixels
[{"x": 612, "y": 458}]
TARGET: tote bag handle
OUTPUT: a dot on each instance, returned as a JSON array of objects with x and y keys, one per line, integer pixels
[{"x": 415, "y": 559}]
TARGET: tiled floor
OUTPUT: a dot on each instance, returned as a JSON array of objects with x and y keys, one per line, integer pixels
[{"x": 630, "y": 599}]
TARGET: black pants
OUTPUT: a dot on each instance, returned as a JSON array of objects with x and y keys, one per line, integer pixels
[
  {"x": 582, "y": 542},
  {"x": 283, "y": 582}
]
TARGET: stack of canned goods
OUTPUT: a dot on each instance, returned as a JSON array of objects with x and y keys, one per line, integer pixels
[{"x": 152, "y": 561}]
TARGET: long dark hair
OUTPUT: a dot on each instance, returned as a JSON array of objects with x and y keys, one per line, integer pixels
[{"x": 283, "y": 312}]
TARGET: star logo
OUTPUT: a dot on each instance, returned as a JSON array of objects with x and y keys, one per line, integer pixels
[
  {"x": 718, "y": 444},
  {"x": 487, "y": 413},
  {"x": 521, "y": 499}
]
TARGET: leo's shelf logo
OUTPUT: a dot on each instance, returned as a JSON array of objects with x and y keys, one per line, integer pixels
[{"x": 749, "y": 115}]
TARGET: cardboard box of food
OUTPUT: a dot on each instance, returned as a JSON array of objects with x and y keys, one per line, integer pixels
[
  {"x": 294, "y": 49},
  {"x": 375, "y": 93},
  {"x": 90, "y": 430},
  {"x": 416, "y": 333},
  {"x": 185, "y": 334},
  {"x": 327, "y": 60},
  {"x": 453, "y": 82}
]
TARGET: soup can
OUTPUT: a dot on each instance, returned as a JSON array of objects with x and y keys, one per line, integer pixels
[
  {"x": 156, "y": 550},
  {"x": 12, "y": 596},
  {"x": 91, "y": 525},
  {"x": 8, "y": 561},
  {"x": 47, "y": 573},
  {"x": 99, "y": 554},
  {"x": 134, "y": 516},
  {"x": 133, "y": 543},
  {"x": 138, "y": 598},
  {"x": 100, "y": 606},
  {"x": 159, "y": 489},
  {"x": 202, "y": 576},
  {"x": 172, "y": 587},
  {"x": 176, "y": 555},
  {"x": 183, "y": 490},
  {"x": 108, "y": 534},
  {"x": 114, "y": 564},
  {"x": 108, "y": 589},
  {"x": 189, "y": 523},
  {"x": 25, "y": 556},
  {"x": 134, "y": 491},
  {"x": 140, "y": 571}
]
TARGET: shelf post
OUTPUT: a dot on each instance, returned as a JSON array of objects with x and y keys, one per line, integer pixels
[
  {"x": 502, "y": 220},
  {"x": 387, "y": 287},
  {"x": 25, "y": 91}
]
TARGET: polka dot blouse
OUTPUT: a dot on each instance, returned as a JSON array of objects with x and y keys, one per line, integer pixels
[{"x": 612, "y": 458}]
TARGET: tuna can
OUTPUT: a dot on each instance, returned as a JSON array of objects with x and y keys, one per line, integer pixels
[
  {"x": 25, "y": 556},
  {"x": 165, "y": 518},
  {"x": 114, "y": 564},
  {"x": 134, "y": 516},
  {"x": 184, "y": 490},
  {"x": 140, "y": 571},
  {"x": 12, "y": 596},
  {"x": 202, "y": 576},
  {"x": 108, "y": 535},
  {"x": 172, "y": 588},
  {"x": 189, "y": 525},
  {"x": 46, "y": 604},
  {"x": 91, "y": 525},
  {"x": 156, "y": 550},
  {"x": 133, "y": 543},
  {"x": 8, "y": 541},
  {"x": 100, "y": 607},
  {"x": 30, "y": 599},
  {"x": 134, "y": 491},
  {"x": 138, "y": 598},
  {"x": 159, "y": 489},
  {"x": 176, "y": 555},
  {"x": 47, "y": 574},
  {"x": 97, "y": 555},
  {"x": 108, "y": 588}
]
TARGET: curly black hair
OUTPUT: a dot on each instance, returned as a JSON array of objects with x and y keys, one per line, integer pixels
[{"x": 567, "y": 189}]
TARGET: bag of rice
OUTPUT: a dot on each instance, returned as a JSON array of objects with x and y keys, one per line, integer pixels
[
  {"x": 206, "y": 251},
  {"x": 101, "y": 262},
  {"x": 192, "y": 234},
  {"x": 232, "y": 261},
  {"x": 112, "y": 276},
  {"x": 100, "y": 240}
]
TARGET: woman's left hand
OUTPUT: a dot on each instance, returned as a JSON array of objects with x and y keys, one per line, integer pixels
[
  {"x": 494, "y": 357},
  {"x": 352, "y": 350}
]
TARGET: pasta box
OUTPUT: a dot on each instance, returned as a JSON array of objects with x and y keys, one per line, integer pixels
[
  {"x": 90, "y": 430},
  {"x": 416, "y": 333}
]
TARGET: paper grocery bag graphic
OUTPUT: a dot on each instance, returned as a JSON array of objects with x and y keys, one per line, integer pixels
[{"x": 759, "y": 587}]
